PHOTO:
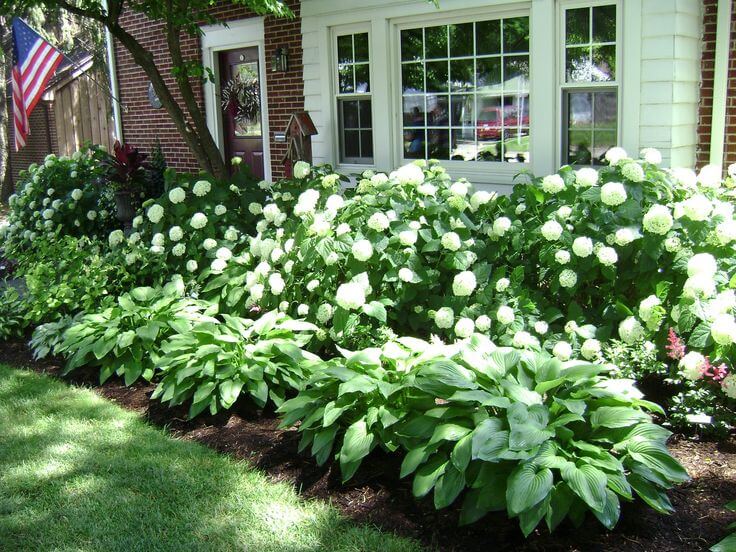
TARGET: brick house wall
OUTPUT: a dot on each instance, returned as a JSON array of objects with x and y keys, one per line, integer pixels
[
  {"x": 706, "y": 87},
  {"x": 39, "y": 143},
  {"x": 142, "y": 124}
]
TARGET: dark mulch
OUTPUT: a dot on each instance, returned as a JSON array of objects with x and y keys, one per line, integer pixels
[{"x": 378, "y": 497}]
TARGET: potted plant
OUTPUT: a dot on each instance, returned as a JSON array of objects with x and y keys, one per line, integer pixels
[{"x": 127, "y": 172}]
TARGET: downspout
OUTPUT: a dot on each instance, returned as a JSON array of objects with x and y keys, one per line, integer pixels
[
  {"x": 720, "y": 83},
  {"x": 113, "y": 76}
]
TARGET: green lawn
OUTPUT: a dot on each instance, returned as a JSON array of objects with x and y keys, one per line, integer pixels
[{"x": 79, "y": 473}]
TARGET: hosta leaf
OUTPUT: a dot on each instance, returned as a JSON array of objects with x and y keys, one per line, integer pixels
[
  {"x": 428, "y": 474},
  {"x": 203, "y": 391},
  {"x": 357, "y": 443},
  {"x": 726, "y": 545},
  {"x": 462, "y": 452},
  {"x": 529, "y": 519},
  {"x": 489, "y": 440},
  {"x": 448, "y": 486},
  {"x": 656, "y": 457},
  {"x": 611, "y": 511},
  {"x": 650, "y": 494},
  {"x": 412, "y": 460},
  {"x": 103, "y": 346},
  {"x": 229, "y": 392},
  {"x": 561, "y": 498},
  {"x": 617, "y": 416},
  {"x": 143, "y": 294},
  {"x": 448, "y": 432},
  {"x": 588, "y": 483},
  {"x": 527, "y": 486}
]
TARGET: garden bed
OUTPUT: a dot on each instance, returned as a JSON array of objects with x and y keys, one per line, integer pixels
[{"x": 377, "y": 496}]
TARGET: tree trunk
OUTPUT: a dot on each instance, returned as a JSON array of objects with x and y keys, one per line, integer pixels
[{"x": 6, "y": 184}]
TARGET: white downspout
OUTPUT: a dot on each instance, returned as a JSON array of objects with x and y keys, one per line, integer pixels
[
  {"x": 113, "y": 76},
  {"x": 720, "y": 83}
]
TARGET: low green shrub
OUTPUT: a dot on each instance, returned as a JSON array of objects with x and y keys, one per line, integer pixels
[
  {"x": 13, "y": 322},
  {"x": 124, "y": 339},
  {"x": 728, "y": 544},
  {"x": 513, "y": 430},
  {"x": 64, "y": 196},
  {"x": 215, "y": 361},
  {"x": 48, "y": 338}
]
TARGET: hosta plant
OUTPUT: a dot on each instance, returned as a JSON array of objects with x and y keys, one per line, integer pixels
[
  {"x": 12, "y": 313},
  {"x": 124, "y": 339},
  {"x": 215, "y": 361},
  {"x": 48, "y": 338},
  {"x": 508, "y": 429}
]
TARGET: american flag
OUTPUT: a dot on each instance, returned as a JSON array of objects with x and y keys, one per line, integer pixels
[{"x": 34, "y": 63}]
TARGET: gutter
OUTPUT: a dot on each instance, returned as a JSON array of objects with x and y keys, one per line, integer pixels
[
  {"x": 113, "y": 76},
  {"x": 720, "y": 83}
]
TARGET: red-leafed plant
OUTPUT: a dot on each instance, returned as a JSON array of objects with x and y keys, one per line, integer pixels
[{"x": 126, "y": 167}]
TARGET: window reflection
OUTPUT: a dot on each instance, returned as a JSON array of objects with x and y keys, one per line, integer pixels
[{"x": 465, "y": 91}]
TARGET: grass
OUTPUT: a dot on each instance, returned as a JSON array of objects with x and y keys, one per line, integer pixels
[{"x": 79, "y": 473}]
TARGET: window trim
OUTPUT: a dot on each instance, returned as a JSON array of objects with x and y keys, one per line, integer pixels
[
  {"x": 335, "y": 96},
  {"x": 563, "y": 85},
  {"x": 468, "y": 169}
]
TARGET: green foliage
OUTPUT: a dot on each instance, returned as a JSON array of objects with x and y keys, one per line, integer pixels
[
  {"x": 513, "y": 430},
  {"x": 13, "y": 320},
  {"x": 124, "y": 339},
  {"x": 48, "y": 338},
  {"x": 214, "y": 362},
  {"x": 728, "y": 544},
  {"x": 64, "y": 196}
]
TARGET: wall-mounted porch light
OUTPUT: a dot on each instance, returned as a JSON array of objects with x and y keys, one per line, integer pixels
[{"x": 280, "y": 60}]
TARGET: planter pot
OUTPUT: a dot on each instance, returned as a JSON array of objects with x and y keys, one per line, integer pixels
[{"x": 125, "y": 210}]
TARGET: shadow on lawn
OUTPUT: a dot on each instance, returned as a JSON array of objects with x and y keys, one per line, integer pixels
[{"x": 78, "y": 473}]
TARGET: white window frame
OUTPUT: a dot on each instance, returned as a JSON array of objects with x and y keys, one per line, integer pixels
[
  {"x": 342, "y": 30},
  {"x": 503, "y": 172},
  {"x": 242, "y": 33},
  {"x": 563, "y": 85}
]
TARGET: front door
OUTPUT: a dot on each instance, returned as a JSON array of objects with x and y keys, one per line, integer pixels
[{"x": 240, "y": 94}]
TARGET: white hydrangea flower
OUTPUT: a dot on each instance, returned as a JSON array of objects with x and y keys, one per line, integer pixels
[
  {"x": 76, "y": 194},
  {"x": 479, "y": 198},
  {"x": 562, "y": 351},
  {"x": 464, "y": 284},
  {"x": 319, "y": 226},
  {"x": 378, "y": 222},
  {"x": 541, "y": 327},
  {"x": 406, "y": 274},
  {"x": 522, "y": 340},
  {"x": 312, "y": 285},
  {"x": 586, "y": 177},
  {"x": 224, "y": 253},
  {"x": 571, "y": 327},
  {"x": 444, "y": 318},
  {"x": 697, "y": 207},
  {"x": 562, "y": 256},
  {"x": 92, "y": 215},
  {"x": 56, "y": 204},
  {"x": 633, "y": 172},
  {"x": 302, "y": 309},
  {"x": 451, "y": 241},
  {"x": 48, "y": 214},
  {"x": 380, "y": 178},
  {"x": 220, "y": 209},
  {"x": 201, "y": 188},
  {"x": 710, "y": 177},
  {"x": 116, "y": 237},
  {"x": 176, "y": 233},
  {"x": 198, "y": 221},
  {"x": 330, "y": 180},
  {"x": 192, "y": 265},
  {"x": 217, "y": 265},
  {"x": 276, "y": 254},
  {"x": 324, "y": 313},
  {"x": 255, "y": 208},
  {"x": 332, "y": 258},
  {"x": 409, "y": 174},
  {"x": 362, "y": 250},
  {"x": 502, "y": 284},
  {"x": 613, "y": 193},
  {"x": 691, "y": 365},
  {"x": 209, "y": 243},
  {"x": 630, "y": 330},
  {"x": 177, "y": 195},
  {"x": 699, "y": 285},
  {"x": 408, "y": 237},
  {"x": 178, "y": 250},
  {"x": 155, "y": 213},
  {"x": 616, "y": 154},
  {"x": 568, "y": 278},
  {"x": 130, "y": 258},
  {"x": 342, "y": 229},
  {"x": 658, "y": 220},
  {"x": 647, "y": 306},
  {"x": 702, "y": 263},
  {"x": 582, "y": 246},
  {"x": 459, "y": 189},
  {"x": 137, "y": 221},
  {"x": 335, "y": 202},
  {"x": 591, "y": 349},
  {"x": 684, "y": 177},
  {"x": 564, "y": 212},
  {"x": 350, "y": 296},
  {"x": 505, "y": 315},
  {"x": 553, "y": 184},
  {"x": 726, "y": 231},
  {"x": 551, "y": 230},
  {"x": 501, "y": 225},
  {"x": 134, "y": 238},
  {"x": 520, "y": 208},
  {"x": 156, "y": 250},
  {"x": 624, "y": 236},
  {"x": 464, "y": 328},
  {"x": 723, "y": 329},
  {"x": 302, "y": 169},
  {"x": 158, "y": 239},
  {"x": 256, "y": 292},
  {"x": 276, "y": 283},
  {"x": 728, "y": 386},
  {"x": 651, "y": 155},
  {"x": 46, "y": 202},
  {"x": 607, "y": 256},
  {"x": 483, "y": 323}
]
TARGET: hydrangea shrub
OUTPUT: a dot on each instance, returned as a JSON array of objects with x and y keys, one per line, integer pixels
[{"x": 64, "y": 196}]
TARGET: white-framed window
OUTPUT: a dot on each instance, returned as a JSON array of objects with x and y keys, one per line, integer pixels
[
  {"x": 590, "y": 91},
  {"x": 464, "y": 89},
  {"x": 353, "y": 96}
]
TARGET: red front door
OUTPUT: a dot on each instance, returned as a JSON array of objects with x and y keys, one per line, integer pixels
[{"x": 240, "y": 93}]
